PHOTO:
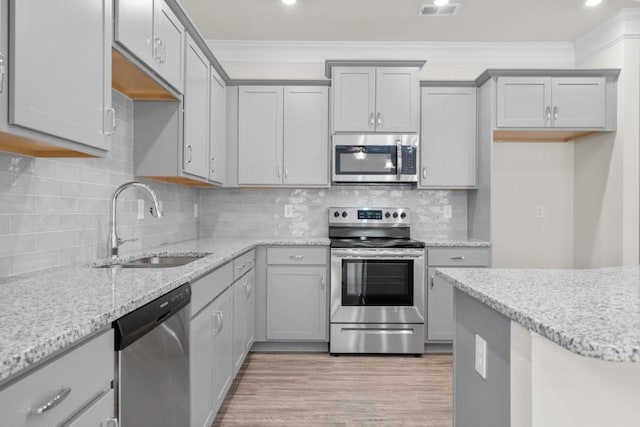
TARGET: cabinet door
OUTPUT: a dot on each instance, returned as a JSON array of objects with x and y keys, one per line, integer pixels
[
  {"x": 168, "y": 44},
  {"x": 306, "y": 135},
  {"x": 296, "y": 303},
  {"x": 251, "y": 312},
  {"x": 196, "y": 112},
  {"x": 240, "y": 319},
  {"x": 578, "y": 102},
  {"x": 354, "y": 99},
  {"x": 524, "y": 102},
  {"x": 201, "y": 368},
  {"x": 397, "y": 99},
  {"x": 134, "y": 27},
  {"x": 61, "y": 69},
  {"x": 260, "y": 130},
  {"x": 222, "y": 309},
  {"x": 217, "y": 131},
  {"x": 440, "y": 323},
  {"x": 448, "y": 147}
]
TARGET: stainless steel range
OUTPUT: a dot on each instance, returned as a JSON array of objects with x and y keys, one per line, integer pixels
[{"x": 377, "y": 282}]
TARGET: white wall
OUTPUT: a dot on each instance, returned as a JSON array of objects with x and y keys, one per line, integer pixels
[
  {"x": 607, "y": 171},
  {"x": 526, "y": 175}
]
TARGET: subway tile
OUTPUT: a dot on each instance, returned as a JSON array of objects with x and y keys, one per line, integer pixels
[
  {"x": 5, "y": 266},
  {"x": 25, "y": 263},
  {"x": 17, "y": 243}
]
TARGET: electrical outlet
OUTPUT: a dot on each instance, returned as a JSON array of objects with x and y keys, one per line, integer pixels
[
  {"x": 447, "y": 211},
  {"x": 195, "y": 210},
  {"x": 539, "y": 211},
  {"x": 288, "y": 211},
  {"x": 140, "y": 209},
  {"x": 481, "y": 356}
]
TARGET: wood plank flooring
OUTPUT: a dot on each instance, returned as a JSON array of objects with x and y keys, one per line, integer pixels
[{"x": 316, "y": 389}]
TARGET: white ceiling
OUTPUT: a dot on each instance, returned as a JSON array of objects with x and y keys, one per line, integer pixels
[{"x": 398, "y": 20}]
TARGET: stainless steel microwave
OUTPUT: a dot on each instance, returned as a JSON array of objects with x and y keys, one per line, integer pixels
[{"x": 376, "y": 158}]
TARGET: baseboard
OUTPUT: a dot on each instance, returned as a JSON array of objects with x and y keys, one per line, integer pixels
[
  {"x": 295, "y": 347},
  {"x": 431, "y": 348}
]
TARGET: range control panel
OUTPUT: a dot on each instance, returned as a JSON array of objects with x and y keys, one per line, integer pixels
[{"x": 344, "y": 215}]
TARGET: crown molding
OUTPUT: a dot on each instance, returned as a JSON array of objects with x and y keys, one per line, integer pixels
[
  {"x": 495, "y": 55},
  {"x": 623, "y": 24}
]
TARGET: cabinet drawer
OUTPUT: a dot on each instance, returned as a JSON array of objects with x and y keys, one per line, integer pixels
[
  {"x": 77, "y": 376},
  {"x": 243, "y": 263},
  {"x": 458, "y": 257},
  {"x": 207, "y": 288},
  {"x": 297, "y": 255},
  {"x": 98, "y": 414}
]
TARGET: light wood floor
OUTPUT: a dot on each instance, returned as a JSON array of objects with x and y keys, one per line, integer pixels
[{"x": 312, "y": 389}]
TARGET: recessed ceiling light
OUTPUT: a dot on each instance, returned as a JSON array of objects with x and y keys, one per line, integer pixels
[
  {"x": 440, "y": 2},
  {"x": 592, "y": 3},
  {"x": 289, "y": 2}
]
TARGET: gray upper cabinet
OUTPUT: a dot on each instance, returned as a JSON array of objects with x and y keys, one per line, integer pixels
[
  {"x": 555, "y": 102},
  {"x": 260, "y": 130},
  {"x": 376, "y": 99},
  {"x": 59, "y": 75},
  {"x": 283, "y": 135},
  {"x": 448, "y": 137},
  {"x": 217, "y": 129},
  {"x": 296, "y": 303},
  {"x": 150, "y": 31},
  {"x": 196, "y": 112}
]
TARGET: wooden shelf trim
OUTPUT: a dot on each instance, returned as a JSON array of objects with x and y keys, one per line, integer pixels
[
  {"x": 131, "y": 81},
  {"x": 29, "y": 147},
  {"x": 539, "y": 135}
]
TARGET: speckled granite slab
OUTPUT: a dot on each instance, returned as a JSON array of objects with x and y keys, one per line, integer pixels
[
  {"x": 451, "y": 243},
  {"x": 42, "y": 313},
  {"x": 594, "y": 313}
]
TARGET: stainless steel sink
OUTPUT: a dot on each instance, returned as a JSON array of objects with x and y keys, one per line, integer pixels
[{"x": 156, "y": 261}]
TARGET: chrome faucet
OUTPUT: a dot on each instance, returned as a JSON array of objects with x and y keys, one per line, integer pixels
[{"x": 114, "y": 241}]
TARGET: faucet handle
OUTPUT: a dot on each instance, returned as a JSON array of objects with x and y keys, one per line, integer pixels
[{"x": 121, "y": 241}]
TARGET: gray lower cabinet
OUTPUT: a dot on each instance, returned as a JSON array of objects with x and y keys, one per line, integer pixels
[
  {"x": 448, "y": 137},
  {"x": 55, "y": 86},
  {"x": 243, "y": 318},
  {"x": 72, "y": 389},
  {"x": 222, "y": 309},
  {"x": 296, "y": 303},
  {"x": 439, "y": 293}
]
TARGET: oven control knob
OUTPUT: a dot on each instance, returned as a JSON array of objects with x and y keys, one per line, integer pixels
[
  {"x": 336, "y": 214},
  {"x": 387, "y": 215},
  {"x": 344, "y": 214},
  {"x": 395, "y": 214},
  {"x": 403, "y": 215}
]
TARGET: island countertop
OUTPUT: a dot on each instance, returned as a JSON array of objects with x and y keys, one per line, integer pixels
[{"x": 593, "y": 313}]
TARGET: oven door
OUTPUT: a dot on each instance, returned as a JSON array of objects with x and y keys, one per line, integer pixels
[{"x": 377, "y": 286}]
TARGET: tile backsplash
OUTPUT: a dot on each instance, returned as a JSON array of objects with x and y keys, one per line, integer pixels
[
  {"x": 56, "y": 211},
  {"x": 260, "y": 212}
]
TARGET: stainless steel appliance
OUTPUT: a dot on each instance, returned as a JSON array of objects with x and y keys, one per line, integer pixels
[
  {"x": 375, "y": 158},
  {"x": 377, "y": 282},
  {"x": 152, "y": 345}
]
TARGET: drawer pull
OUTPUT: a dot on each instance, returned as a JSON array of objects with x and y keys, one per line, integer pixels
[
  {"x": 62, "y": 394},
  {"x": 458, "y": 258},
  {"x": 296, "y": 256}
]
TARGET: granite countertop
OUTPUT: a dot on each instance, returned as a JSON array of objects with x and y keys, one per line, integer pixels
[
  {"x": 451, "y": 243},
  {"x": 44, "y": 312},
  {"x": 593, "y": 313}
]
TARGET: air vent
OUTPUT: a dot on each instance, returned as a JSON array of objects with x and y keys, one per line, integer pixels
[{"x": 431, "y": 10}]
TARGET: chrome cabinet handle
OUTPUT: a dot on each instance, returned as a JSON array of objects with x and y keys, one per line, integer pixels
[
  {"x": 2, "y": 72},
  {"x": 279, "y": 168},
  {"x": 399, "y": 158},
  {"x": 157, "y": 43},
  {"x": 296, "y": 256},
  {"x": 216, "y": 323},
  {"x": 247, "y": 290},
  {"x": 547, "y": 113},
  {"x": 163, "y": 53},
  {"x": 63, "y": 393},
  {"x": 113, "y": 121},
  {"x": 371, "y": 122},
  {"x": 555, "y": 113},
  {"x": 286, "y": 172},
  {"x": 457, "y": 258},
  {"x": 424, "y": 173},
  {"x": 322, "y": 282},
  {"x": 432, "y": 281},
  {"x": 379, "y": 119},
  {"x": 190, "y": 154},
  {"x": 221, "y": 321},
  {"x": 213, "y": 165}
]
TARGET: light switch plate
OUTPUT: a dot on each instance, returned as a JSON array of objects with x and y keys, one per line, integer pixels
[
  {"x": 447, "y": 211},
  {"x": 481, "y": 356},
  {"x": 195, "y": 210},
  {"x": 140, "y": 209},
  {"x": 288, "y": 211}
]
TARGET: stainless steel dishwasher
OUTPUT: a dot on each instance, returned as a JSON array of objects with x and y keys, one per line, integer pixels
[{"x": 152, "y": 348}]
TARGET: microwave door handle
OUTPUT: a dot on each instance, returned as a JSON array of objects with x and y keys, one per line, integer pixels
[{"x": 399, "y": 158}]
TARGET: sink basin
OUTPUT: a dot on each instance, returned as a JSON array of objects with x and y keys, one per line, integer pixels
[{"x": 156, "y": 261}]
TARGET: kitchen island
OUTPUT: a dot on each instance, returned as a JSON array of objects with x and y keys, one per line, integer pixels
[{"x": 562, "y": 347}]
